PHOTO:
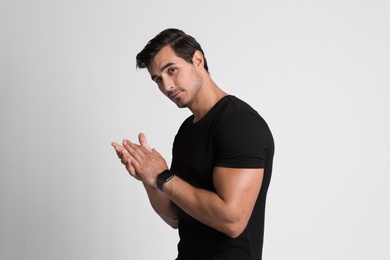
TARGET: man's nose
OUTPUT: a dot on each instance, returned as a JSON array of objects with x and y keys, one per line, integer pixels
[{"x": 167, "y": 83}]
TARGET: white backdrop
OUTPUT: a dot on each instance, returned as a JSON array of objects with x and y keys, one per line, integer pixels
[{"x": 317, "y": 71}]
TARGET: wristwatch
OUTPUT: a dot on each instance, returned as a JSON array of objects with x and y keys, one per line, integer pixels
[{"x": 164, "y": 177}]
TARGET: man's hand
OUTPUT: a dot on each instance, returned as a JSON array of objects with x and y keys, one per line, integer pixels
[
  {"x": 142, "y": 162},
  {"x": 125, "y": 159}
]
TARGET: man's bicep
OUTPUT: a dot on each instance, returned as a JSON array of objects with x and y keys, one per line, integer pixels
[{"x": 239, "y": 188}]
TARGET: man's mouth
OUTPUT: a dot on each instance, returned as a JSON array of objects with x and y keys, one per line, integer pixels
[{"x": 174, "y": 95}]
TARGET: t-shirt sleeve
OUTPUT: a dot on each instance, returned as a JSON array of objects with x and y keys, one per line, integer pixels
[{"x": 241, "y": 141}]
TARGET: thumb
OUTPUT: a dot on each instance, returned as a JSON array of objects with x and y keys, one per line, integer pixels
[{"x": 143, "y": 142}]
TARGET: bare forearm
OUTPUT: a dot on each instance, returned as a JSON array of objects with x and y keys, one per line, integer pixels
[
  {"x": 229, "y": 208},
  {"x": 205, "y": 206},
  {"x": 163, "y": 206}
]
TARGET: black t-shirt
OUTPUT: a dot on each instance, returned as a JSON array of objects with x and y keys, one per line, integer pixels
[{"x": 233, "y": 135}]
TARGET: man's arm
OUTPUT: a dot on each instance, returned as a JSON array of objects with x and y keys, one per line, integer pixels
[
  {"x": 227, "y": 210},
  {"x": 162, "y": 205}
]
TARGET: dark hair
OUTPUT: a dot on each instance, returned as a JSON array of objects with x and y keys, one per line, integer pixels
[{"x": 183, "y": 44}]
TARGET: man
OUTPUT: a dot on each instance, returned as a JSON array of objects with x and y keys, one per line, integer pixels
[{"x": 215, "y": 190}]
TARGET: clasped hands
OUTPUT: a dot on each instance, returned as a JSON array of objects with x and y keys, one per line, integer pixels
[{"x": 142, "y": 162}]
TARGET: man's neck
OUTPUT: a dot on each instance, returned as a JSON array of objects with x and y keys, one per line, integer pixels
[{"x": 207, "y": 97}]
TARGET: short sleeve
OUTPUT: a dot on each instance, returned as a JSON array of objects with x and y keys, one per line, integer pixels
[{"x": 241, "y": 140}]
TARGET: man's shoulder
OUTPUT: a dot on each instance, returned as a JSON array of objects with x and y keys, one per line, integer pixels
[
  {"x": 236, "y": 108},
  {"x": 236, "y": 104}
]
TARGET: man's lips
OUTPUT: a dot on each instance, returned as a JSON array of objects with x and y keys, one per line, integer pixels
[{"x": 175, "y": 94}]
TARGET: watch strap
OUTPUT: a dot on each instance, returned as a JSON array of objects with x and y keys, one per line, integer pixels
[{"x": 164, "y": 177}]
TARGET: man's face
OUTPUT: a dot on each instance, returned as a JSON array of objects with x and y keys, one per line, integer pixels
[{"x": 179, "y": 80}]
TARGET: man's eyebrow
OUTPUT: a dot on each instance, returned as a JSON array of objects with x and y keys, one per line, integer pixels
[{"x": 162, "y": 68}]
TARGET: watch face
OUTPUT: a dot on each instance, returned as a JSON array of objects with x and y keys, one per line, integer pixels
[{"x": 163, "y": 178}]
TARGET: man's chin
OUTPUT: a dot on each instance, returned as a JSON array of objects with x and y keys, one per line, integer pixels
[{"x": 181, "y": 104}]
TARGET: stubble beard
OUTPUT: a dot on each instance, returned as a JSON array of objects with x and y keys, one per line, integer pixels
[{"x": 192, "y": 95}]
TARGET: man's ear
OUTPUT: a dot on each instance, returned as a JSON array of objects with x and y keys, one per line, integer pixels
[{"x": 198, "y": 59}]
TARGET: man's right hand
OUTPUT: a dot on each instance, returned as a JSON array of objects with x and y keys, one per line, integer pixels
[{"x": 125, "y": 159}]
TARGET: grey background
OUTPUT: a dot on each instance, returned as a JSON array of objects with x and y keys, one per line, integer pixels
[{"x": 317, "y": 71}]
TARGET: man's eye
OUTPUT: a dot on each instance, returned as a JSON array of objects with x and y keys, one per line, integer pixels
[{"x": 171, "y": 70}]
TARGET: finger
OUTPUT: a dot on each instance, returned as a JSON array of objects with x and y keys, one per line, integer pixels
[
  {"x": 141, "y": 149},
  {"x": 131, "y": 170},
  {"x": 122, "y": 153},
  {"x": 116, "y": 146},
  {"x": 155, "y": 152},
  {"x": 127, "y": 145},
  {"x": 124, "y": 156},
  {"x": 118, "y": 149},
  {"x": 143, "y": 142},
  {"x": 126, "y": 160},
  {"x": 134, "y": 150}
]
